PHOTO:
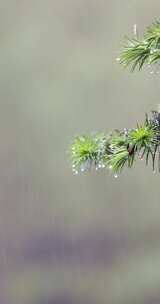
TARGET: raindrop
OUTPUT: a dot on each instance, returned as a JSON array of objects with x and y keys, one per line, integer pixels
[
  {"x": 76, "y": 172},
  {"x": 125, "y": 131},
  {"x": 115, "y": 175},
  {"x": 118, "y": 59},
  {"x": 135, "y": 29},
  {"x": 110, "y": 167},
  {"x": 103, "y": 165}
]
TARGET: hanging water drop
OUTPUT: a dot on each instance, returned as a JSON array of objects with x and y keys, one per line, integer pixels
[
  {"x": 115, "y": 175},
  {"x": 76, "y": 172}
]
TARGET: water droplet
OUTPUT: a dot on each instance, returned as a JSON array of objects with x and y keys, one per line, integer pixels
[
  {"x": 118, "y": 59},
  {"x": 99, "y": 166},
  {"x": 115, "y": 175},
  {"x": 110, "y": 167},
  {"x": 125, "y": 131},
  {"x": 151, "y": 72},
  {"x": 82, "y": 169},
  {"x": 96, "y": 168},
  {"x": 76, "y": 172},
  {"x": 103, "y": 165},
  {"x": 135, "y": 29}
]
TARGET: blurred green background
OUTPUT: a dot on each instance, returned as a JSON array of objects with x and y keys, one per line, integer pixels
[{"x": 64, "y": 239}]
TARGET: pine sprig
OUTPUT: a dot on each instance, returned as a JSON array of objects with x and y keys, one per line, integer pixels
[
  {"x": 119, "y": 149},
  {"x": 138, "y": 52},
  {"x": 86, "y": 150}
]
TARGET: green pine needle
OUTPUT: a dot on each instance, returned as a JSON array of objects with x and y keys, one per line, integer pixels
[
  {"x": 145, "y": 51},
  {"x": 118, "y": 160},
  {"x": 85, "y": 150},
  {"x": 142, "y": 137},
  {"x": 119, "y": 149}
]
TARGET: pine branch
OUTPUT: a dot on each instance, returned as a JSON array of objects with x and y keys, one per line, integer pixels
[
  {"x": 119, "y": 149},
  {"x": 138, "y": 52}
]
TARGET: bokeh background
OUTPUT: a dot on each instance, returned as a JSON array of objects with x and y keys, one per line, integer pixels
[{"x": 65, "y": 239}]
